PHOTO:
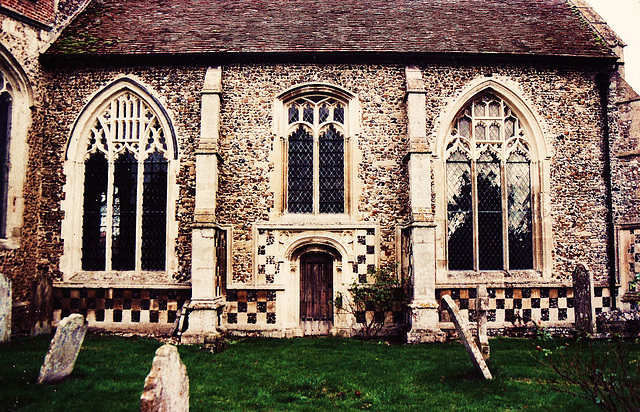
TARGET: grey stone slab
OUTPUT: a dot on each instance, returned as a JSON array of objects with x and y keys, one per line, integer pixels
[
  {"x": 64, "y": 349},
  {"x": 583, "y": 299},
  {"x": 5, "y": 308},
  {"x": 482, "y": 305},
  {"x": 466, "y": 337},
  {"x": 166, "y": 388}
]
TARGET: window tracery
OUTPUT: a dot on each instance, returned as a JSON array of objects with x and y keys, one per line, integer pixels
[
  {"x": 315, "y": 155},
  {"x": 489, "y": 187},
  {"x": 125, "y": 188}
]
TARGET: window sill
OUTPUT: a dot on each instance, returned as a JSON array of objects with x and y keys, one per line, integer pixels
[
  {"x": 11, "y": 243},
  {"x": 497, "y": 278},
  {"x": 316, "y": 219},
  {"x": 123, "y": 279}
]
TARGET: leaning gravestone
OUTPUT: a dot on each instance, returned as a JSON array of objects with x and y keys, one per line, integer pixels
[
  {"x": 583, "y": 299},
  {"x": 5, "y": 308},
  {"x": 166, "y": 388},
  {"x": 64, "y": 349},
  {"x": 466, "y": 337}
]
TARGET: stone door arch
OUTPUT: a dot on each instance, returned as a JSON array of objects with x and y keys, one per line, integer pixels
[
  {"x": 316, "y": 293},
  {"x": 316, "y": 268}
]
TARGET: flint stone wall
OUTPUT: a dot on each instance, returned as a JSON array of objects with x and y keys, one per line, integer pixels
[
  {"x": 39, "y": 236},
  {"x": 624, "y": 126},
  {"x": 566, "y": 102}
]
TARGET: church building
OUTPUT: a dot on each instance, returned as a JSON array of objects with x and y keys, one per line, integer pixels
[{"x": 238, "y": 165}]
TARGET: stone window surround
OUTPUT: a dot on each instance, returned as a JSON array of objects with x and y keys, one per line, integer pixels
[
  {"x": 22, "y": 100},
  {"x": 70, "y": 262},
  {"x": 293, "y": 240},
  {"x": 626, "y": 238},
  {"x": 279, "y": 153},
  {"x": 540, "y": 185}
]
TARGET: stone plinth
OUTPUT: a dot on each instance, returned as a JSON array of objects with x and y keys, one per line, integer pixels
[
  {"x": 204, "y": 320},
  {"x": 424, "y": 307}
]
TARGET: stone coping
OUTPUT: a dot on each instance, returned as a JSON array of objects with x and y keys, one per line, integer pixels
[
  {"x": 245, "y": 286},
  {"x": 118, "y": 285},
  {"x": 525, "y": 283}
]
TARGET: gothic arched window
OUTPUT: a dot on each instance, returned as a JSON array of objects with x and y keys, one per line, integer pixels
[
  {"x": 315, "y": 155},
  {"x": 124, "y": 214},
  {"x": 5, "y": 133},
  {"x": 489, "y": 189}
]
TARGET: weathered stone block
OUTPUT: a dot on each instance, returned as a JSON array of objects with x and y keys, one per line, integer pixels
[
  {"x": 466, "y": 337},
  {"x": 583, "y": 299},
  {"x": 5, "y": 308},
  {"x": 64, "y": 349},
  {"x": 166, "y": 388}
]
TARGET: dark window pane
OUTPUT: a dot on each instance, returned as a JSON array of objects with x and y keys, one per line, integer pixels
[
  {"x": 481, "y": 131},
  {"x": 300, "y": 173},
  {"x": 307, "y": 113},
  {"x": 490, "y": 252},
  {"x": 459, "y": 213},
  {"x": 154, "y": 212},
  {"x": 293, "y": 113},
  {"x": 125, "y": 178},
  {"x": 331, "y": 179},
  {"x": 510, "y": 127},
  {"x": 519, "y": 203},
  {"x": 5, "y": 124},
  {"x": 494, "y": 109},
  {"x": 323, "y": 113},
  {"x": 464, "y": 127},
  {"x": 494, "y": 132},
  {"x": 221, "y": 261},
  {"x": 94, "y": 217},
  {"x": 338, "y": 114}
]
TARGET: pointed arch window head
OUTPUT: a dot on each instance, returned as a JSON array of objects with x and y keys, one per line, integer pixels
[
  {"x": 489, "y": 205},
  {"x": 125, "y": 188},
  {"x": 315, "y": 155}
]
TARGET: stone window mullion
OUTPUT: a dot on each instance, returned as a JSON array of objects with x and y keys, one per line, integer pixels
[
  {"x": 109, "y": 220},
  {"x": 505, "y": 213},
  {"x": 474, "y": 197},
  {"x": 140, "y": 182}
]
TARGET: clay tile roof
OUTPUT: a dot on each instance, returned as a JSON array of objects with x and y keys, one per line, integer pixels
[{"x": 521, "y": 27}]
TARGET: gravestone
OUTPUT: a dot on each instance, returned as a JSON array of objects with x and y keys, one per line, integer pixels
[
  {"x": 466, "y": 337},
  {"x": 166, "y": 388},
  {"x": 64, "y": 349},
  {"x": 482, "y": 305},
  {"x": 583, "y": 299},
  {"x": 5, "y": 308}
]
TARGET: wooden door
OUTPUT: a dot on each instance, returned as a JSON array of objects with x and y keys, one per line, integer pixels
[{"x": 316, "y": 293}]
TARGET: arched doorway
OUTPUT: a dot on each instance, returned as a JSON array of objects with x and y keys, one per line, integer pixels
[{"x": 316, "y": 292}]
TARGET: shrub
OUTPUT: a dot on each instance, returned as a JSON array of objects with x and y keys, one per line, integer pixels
[
  {"x": 607, "y": 373},
  {"x": 378, "y": 297}
]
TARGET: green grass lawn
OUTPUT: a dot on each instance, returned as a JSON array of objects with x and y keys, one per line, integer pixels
[{"x": 289, "y": 374}]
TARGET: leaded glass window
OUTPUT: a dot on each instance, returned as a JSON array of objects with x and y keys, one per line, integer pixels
[
  {"x": 5, "y": 127},
  {"x": 125, "y": 188},
  {"x": 489, "y": 208},
  {"x": 315, "y": 155}
]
